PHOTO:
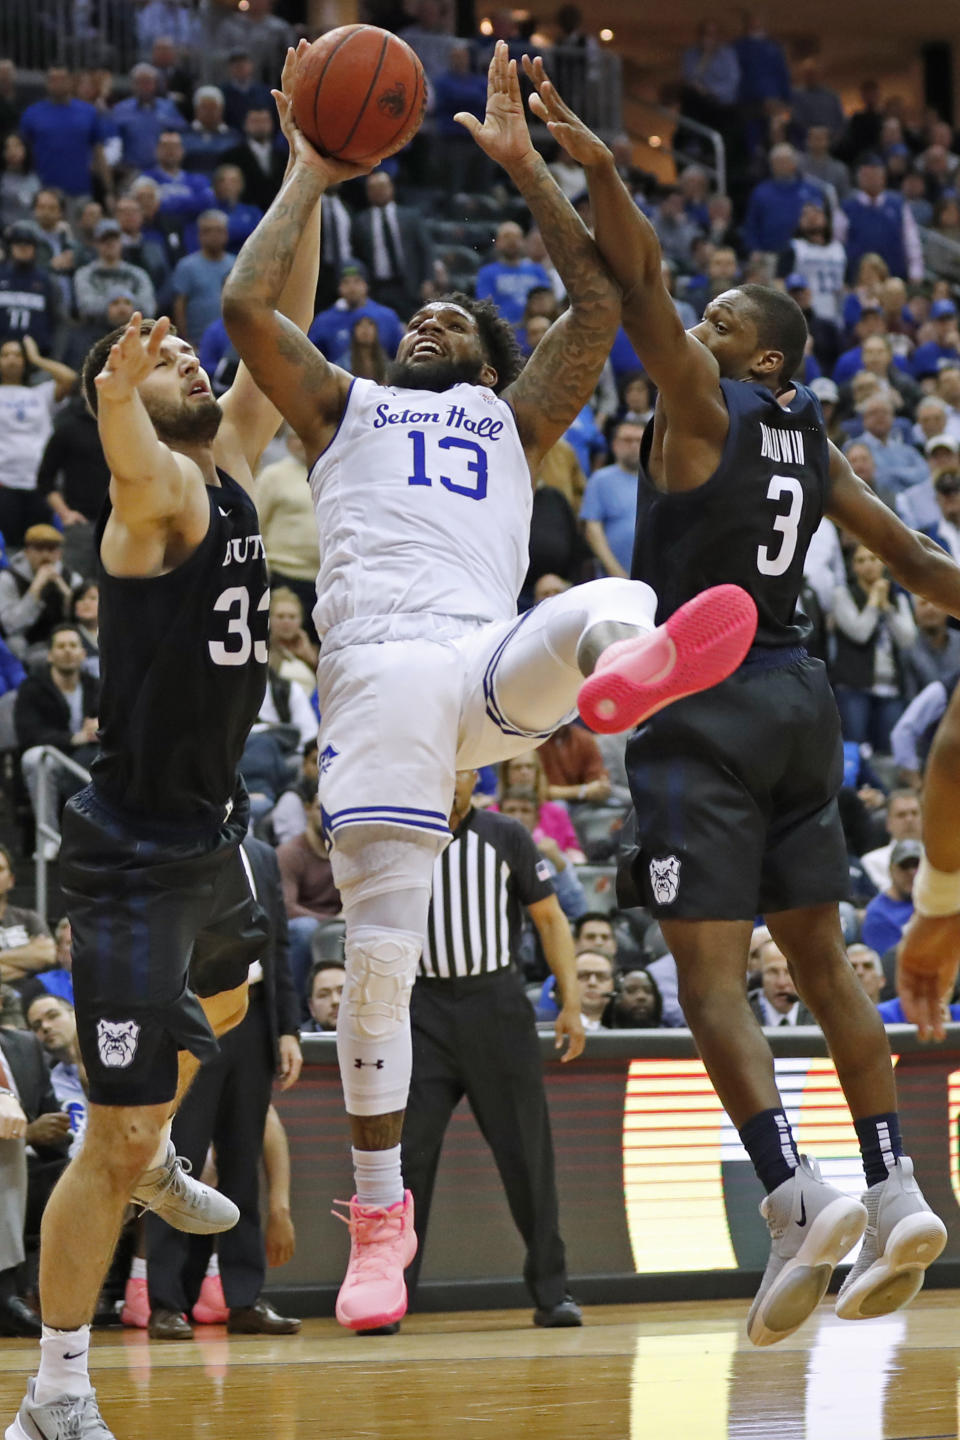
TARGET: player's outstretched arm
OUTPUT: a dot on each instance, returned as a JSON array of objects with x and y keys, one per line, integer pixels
[
  {"x": 147, "y": 482},
  {"x": 308, "y": 391},
  {"x": 554, "y": 931},
  {"x": 563, "y": 372},
  {"x": 914, "y": 560},
  {"x": 928, "y": 957},
  {"x": 250, "y": 419},
  {"x": 683, "y": 370}
]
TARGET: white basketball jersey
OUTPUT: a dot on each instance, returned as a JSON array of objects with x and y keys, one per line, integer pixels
[{"x": 423, "y": 502}]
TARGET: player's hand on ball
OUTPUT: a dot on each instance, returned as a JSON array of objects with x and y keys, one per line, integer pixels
[
  {"x": 564, "y": 124},
  {"x": 131, "y": 359},
  {"x": 927, "y": 969},
  {"x": 503, "y": 135},
  {"x": 332, "y": 171}
]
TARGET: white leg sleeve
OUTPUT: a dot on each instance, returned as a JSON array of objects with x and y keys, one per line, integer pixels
[
  {"x": 537, "y": 676},
  {"x": 385, "y": 887}
]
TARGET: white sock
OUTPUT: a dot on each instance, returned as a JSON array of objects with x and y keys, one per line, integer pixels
[
  {"x": 213, "y": 1268},
  {"x": 163, "y": 1141},
  {"x": 63, "y": 1364},
  {"x": 138, "y": 1267},
  {"x": 378, "y": 1176}
]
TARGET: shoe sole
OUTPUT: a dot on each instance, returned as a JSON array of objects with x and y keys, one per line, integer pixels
[
  {"x": 802, "y": 1283},
  {"x": 17, "y": 1432},
  {"x": 897, "y": 1275},
  {"x": 701, "y": 644}
]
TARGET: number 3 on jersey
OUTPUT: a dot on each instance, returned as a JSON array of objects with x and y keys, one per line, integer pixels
[
  {"x": 240, "y": 643},
  {"x": 788, "y": 526},
  {"x": 477, "y": 466}
]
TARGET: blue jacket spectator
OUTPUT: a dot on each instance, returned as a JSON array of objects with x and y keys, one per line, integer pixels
[
  {"x": 455, "y": 90},
  {"x": 332, "y": 329},
  {"x": 623, "y": 358},
  {"x": 30, "y": 299},
  {"x": 891, "y": 1012},
  {"x": 209, "y": 138},
  {"x": 141, "y": 119},
  {"x": 712, "y": 68},
  {"x": 11, "y": 671},
  {"x": 242, "y": 220},
  {"x": 162, "y": 19},
  {"x": 763, "y": 67},
  {"x": 182, "y": 194},
  {"x": 509, "y": 279},
  {"x": 898, "y": 465},
  {"x": 774, "y": 207},
  {"x": 879, "y": 222},
  {"x": 851, "y": 361},
  {"x": 215, "y": 351},
  {"x": 926, "y": 359},
  {"x": 242, "y": 91},
  {"x": 888, "y": 912},
  {"x": 65, "y": 136}
]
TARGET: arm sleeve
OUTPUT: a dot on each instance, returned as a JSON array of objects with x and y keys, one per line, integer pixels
[
  {"x": 902, "y": 628},
  {"x": 570, "y": 893},
  {"x": 17, "y": 612}
]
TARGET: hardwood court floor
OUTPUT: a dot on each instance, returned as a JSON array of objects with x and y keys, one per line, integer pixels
[{"x": 664, "y": 1372}]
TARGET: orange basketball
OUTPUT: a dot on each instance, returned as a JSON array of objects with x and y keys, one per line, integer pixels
[{"x": 360, "y": 93}]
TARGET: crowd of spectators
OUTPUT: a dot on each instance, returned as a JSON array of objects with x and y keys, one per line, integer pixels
[{"x": 136, "y": 192}]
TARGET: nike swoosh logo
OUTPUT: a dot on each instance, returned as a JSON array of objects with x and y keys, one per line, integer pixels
[
  {"x": 79, "y": 1355},
  {"x": 224, "y": 513},
  {"x": 803, "y": 1213}
]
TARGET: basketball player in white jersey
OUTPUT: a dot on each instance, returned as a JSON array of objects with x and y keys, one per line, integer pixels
[{"x": 423, "y": 497}]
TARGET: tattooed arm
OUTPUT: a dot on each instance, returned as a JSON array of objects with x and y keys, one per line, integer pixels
[
  {"x": 309, "y": 392},
  {"x": 250, "y": 419},
  {"x": 682, "y": 368},
  {"x": 561, "y": 375}
]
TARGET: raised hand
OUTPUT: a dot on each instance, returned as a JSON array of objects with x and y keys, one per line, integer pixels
[
  {"x": 503, "y": 135},
  {"x": 564, "y": 124},
  {"x": 332, "y": 171},
  {"x": 131, "y": 359}
]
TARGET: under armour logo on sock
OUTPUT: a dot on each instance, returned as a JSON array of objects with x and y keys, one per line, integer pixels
[{"x": 373, "y": 1064}]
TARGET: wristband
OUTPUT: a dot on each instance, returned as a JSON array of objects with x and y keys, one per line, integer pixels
[{"x": 936, "y": 892}]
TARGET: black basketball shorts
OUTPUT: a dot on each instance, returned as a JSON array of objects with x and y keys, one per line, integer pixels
[
  {"x": 160, "y": 914},
  {"x": 735, "y": 797}
]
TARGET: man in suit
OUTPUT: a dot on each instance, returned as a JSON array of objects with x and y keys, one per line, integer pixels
[
  {"x": 777, "y": 1001},
  {"x": 260, "y": 158},
  {"x": 227, "y": 1107},
  {"x": 29, "y": 1115},
  {"x": 393, "y": 243}
]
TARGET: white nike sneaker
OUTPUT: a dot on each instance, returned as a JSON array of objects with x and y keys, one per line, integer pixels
[
  {"x": 903, "y": 1237},
  {"x": 69, "y": 1417},
  {"x": 812, "y": 1226},
  {"x": 171, "y": 1192}
]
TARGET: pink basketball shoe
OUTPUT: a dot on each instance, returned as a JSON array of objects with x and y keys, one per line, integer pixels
[
  {"x": 382, "y": 1244},
  {"x": 211, "y": 1308},
  {"x": 136, "y": 1305},
  {"x": 701, "y": 644}
]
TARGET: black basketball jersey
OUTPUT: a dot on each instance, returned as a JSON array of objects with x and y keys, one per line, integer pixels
[
  {"x": 183, "y": 666},
  {"x": 750, "y": 524}
]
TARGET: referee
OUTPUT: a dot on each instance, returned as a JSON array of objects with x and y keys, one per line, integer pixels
[{"x": 474, "y": 1034}]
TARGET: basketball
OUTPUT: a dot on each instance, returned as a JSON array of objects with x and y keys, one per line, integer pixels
[{"x": 360, "y": 94}]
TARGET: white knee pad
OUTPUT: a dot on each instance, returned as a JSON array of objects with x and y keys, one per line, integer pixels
[{"x": 373, "y": 1027}]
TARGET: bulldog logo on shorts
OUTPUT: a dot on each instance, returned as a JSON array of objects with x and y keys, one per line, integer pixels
[
  {"x": 117, "y": 1042},
  {"x": 665, "y": 879}
]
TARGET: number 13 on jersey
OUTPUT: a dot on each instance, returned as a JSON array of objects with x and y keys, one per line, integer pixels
[{"x": 475, "y": 465}]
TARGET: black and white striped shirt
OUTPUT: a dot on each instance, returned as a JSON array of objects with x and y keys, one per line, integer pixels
[{"x": 489, "y": 871}]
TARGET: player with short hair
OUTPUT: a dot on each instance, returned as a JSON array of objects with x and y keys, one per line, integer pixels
[
  {"x": 163, "y": 920},
  {"x": 423, "y": 493},
  {"x": 736, "y": 792}
]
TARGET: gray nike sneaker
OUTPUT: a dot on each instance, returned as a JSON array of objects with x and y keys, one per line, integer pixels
[
  {"x": 69, "y": 1417},
  {"x": 812, "y": 1226},
  {"x": 171, "y": 1192},
  {"x": 903, "y": 1237}
]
